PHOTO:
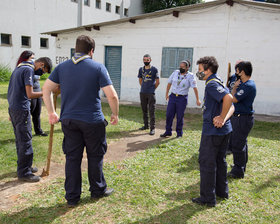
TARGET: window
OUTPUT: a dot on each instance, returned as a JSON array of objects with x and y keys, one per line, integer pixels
[
  {"x": 171, "y": 58},
  {"x": 74, "y": 1},
  {"x": 87, "y": 2},
  {"x": 98, "y": 4},
  {"x": 108, "y": 7},
  {"x": 25, "y": 41},
  {"x": 44, "y": 42},
  {"x": 6, "y": 39},
  {"x": 117, "y": 9},
  {"x": 125, "y": 12}
]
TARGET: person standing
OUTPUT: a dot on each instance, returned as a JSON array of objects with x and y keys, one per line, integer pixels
[
  {"x": 217, "y": 110},
  {"x": 244, "y": 93},
  {"x": 180, "y": 82},
  {"x": 149, "y": 80},
  {"x": 20, "y": 91},
  {"x": 83, "y": 124}
]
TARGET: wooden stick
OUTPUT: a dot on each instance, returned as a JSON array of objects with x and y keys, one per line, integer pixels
[{"x": 228, "y": 74}]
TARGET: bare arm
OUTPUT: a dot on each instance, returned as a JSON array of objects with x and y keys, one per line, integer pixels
[
  {"x": 198, "y": 103},
  {"x": 227, "y": 111},
  {"x": 140, "y": 81},
  {"x": 157, "y": 83},
  {"x": 32, "y": 95},
  {"x": 167, "y": 90},
  {"x": 113, "y": 101},
  {"x": 48, "y": 88},
  {"x": 233, "y": 91}
]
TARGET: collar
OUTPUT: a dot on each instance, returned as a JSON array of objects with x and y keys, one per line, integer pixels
[
  {"x": 213, "y": 76},
  {"x": 79, "y": 57},
  {"x": 26, "y": 63}
]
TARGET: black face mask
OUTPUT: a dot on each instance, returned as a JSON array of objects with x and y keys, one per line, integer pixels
[
  {"x": 182, "y": 70},
  {"x": 237, "y": 76},
  {"x": 39, "y": 72},
  {"x": 146, "y": 63}
]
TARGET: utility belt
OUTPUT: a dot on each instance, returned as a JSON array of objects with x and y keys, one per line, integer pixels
[
  {"x": 178, "y": 94},
  {"x": 242, "y": 115}
]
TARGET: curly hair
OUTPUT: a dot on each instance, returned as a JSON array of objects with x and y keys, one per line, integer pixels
[{"x": 209, "y": 62}]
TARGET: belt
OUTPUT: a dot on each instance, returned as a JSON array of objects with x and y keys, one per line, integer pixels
[
  {"x": 177, "y": 94},
  {"x": 244, "y": 115}
]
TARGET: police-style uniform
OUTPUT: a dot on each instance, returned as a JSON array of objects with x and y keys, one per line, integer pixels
[
  {"x": 242, "y": 123},
  {"x": 214, "y": 141},
  {"x": 19, "y": 111},
  {"x": 147, "y": 94},
  {"x": 83, "y": 122},
  {"x": 178, "y": 100}
]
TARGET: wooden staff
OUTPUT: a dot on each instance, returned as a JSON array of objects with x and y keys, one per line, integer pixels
[{"x": 228, "y": 74}]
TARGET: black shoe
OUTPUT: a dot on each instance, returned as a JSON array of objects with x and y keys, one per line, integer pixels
[
  {"x": 223, "y": 197},
  {"x": 234, "y": 176},
  {"x": 144, "y": 128},
  {"x": 152, "y": 132},
  {"x": 164, "y": 135},
  {"x": 30, "y": 178},
  {"x": 107, "y": 193},
  {"x": 179, "y": 136},
  {"x": 228, "y": 152},
  {"x": 200, "y": 202},
  {"x": 42, "y": 134},
  {"x": 71, "y": 204},
  {"x": 34, "y": 169}
]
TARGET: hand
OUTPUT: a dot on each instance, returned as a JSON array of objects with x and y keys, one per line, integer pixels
[
  {"x": 237, "y": 83},
  {"x": 167, "y": 97},
  {"x": 218, "y": 121},
  {"x": 114, "y": 119},
  {"x": 198, "y": 102},
  {"x": 53, "y": 118}
]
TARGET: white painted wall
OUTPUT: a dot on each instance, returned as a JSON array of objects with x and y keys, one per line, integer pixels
[
  {"x": 32, "y": 17},
  {"x": 228, "y": 33}
]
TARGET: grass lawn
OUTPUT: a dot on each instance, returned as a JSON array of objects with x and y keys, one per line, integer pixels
[{"x": 157, "y": 184}]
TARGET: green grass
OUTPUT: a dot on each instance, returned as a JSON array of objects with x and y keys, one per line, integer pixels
[
  {"x": 5, "y": 73},
  {"x": 157, "y": 184}
]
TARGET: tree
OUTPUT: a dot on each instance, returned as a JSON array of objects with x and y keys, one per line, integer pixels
[{"x": 154, "y": 5}]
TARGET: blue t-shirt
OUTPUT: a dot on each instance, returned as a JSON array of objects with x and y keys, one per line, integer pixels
[
  {"x": 149, "y": 77},
  {"x": 245, "y": 94},
  {"x": 213, "y": 103},
  {"x": 80, "y": 80},
  {"x": 22, "y": 76}
]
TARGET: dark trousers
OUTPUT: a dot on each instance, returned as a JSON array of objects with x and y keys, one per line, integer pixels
[
  {"x": 77, "y": 135},
  {"x": 21, "y": 121},
  {"x": 241, "y": 126},
  {"x": 148, "y": 100},
  {"x": 213, "y": 167},
  {"x": 176, "y": 105},
  {"x": 36, "y": 105}
]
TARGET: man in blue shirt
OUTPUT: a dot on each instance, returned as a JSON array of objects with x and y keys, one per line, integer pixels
[
  {"x": 217, "y": 110},
  {"x": 149, "y": 81},
  {"x": 244, "y": 93},
  {"x": 20, "y": 92},
  {"x": 80, "y": 80}
]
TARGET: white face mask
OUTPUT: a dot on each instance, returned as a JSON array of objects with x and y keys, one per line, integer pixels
[{"x": 33, "y": 60}]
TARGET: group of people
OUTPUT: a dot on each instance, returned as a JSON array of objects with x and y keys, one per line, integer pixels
[{"x": 227, "y": 116}]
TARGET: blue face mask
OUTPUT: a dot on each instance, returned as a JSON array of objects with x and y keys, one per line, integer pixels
[{"x": 39, "y": 72}]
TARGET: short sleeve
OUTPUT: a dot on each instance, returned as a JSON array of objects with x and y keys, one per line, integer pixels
[
  {"x": 171, "y": 78},
  {"x": 140, "y": 73},
  {"x": 54, "y": 75},
  {"x": 216, "y": 91},
  {"x": 156, "y": 74},
  {"x": 28, "y": 76},
  {"x": 104, "y": 78},
  {"x": 193, "y": 82},
  {"x": 242, "y": 92}
]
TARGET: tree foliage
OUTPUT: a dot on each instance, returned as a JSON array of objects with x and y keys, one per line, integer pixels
[{"x": 155, "y": 5}]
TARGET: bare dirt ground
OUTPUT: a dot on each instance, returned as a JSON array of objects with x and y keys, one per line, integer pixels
[{"x": 137, "y": 141}]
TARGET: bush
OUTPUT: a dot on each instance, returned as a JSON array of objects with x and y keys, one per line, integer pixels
[{"x": 5, "y": 73}]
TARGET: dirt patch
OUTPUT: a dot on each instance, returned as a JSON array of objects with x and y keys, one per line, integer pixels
[{"x": 136, "y": 141}]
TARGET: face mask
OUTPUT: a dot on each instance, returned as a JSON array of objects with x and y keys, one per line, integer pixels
[
  {"x": 237, "y": 76},
  {"x": 39, "y": 72},
  {"x": 182, "y": 70},
  {"x": 200, "y": 75},
  {"x": 33, "y": 60},
  {"x": 146, "y": 63}
]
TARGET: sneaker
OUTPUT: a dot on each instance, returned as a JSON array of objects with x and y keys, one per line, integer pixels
[
  {"x": 144, "y": 128},
  {"x": 34, "y": 169},
  {"x": 152, "y": 132},
  {"x": 30, "y": 178},
  {"x": 107, "y": 193},
  {"x": 200, "y": 202}
]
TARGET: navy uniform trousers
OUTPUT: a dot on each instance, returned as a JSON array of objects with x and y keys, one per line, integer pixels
[
  {"x": 77, "y": 135},
  {"x": 148, "y": 100},
  {"x": 176, "y": 105},
  {"x": 241, "y": 126},
  {"x": 36, "y": 105},
  {"x": 213, "y": 167},
  {"x": 21, "y": 121}
]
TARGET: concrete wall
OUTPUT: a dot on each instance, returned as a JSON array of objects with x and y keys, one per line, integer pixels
[
  {"x": 228, "y": 33},
  {"x": 32, "y": 17}
]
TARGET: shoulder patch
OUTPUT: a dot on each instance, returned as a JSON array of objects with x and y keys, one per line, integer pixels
[
  {"x": 240, "y": 92},
  {"x": 220, "y": 89}
]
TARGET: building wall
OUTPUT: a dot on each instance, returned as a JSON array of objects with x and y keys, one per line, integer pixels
[
  {"x": 32, "y": 17},
  {"x": 228, "y": 33}
]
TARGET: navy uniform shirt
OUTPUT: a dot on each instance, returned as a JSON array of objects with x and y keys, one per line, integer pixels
[
  {"x": 232, "y": 81},
  {"x": 245, "y": 94},
  {"x": 213, "y": 102},
  {"x": 22, "y": 76},
  {"x": 149, "y": 77},
  {"x": 80, "y": 80}
]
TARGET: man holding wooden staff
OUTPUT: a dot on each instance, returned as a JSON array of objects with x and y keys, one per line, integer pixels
[{"x": 83, "y": 123}]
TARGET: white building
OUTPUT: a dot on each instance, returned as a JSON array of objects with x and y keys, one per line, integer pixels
[
  {"x": 228, "y": 30},
  {"x": 22, "y": 21}
]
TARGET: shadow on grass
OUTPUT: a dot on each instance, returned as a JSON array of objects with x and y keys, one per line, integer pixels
[
  {"x": 8, "y": 175},
  {"x": 3, "y": 95},
  {"x": 7, "y": 141},
  {"x": 10, "y": 184},
  {"x": 272, "y": 182},
  {"x": 189, "y": 164},
  {"x": 266, "y": 130},
  {"x": 179, "y": 214}
]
